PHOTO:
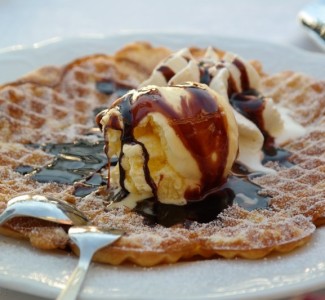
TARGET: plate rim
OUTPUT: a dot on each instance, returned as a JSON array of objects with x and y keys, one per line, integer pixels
[
  {"x": 16, "y": 49},
  {"x": 161, "y": 38}
]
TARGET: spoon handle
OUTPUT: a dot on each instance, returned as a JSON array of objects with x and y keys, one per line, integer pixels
[{"x": 73, "y": 286}]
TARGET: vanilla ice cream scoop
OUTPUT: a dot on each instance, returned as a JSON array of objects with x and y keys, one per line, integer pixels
[{"x": 175, "y": 143}]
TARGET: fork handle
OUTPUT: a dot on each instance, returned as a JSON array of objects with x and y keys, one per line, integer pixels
[{"x": 73, "y": 286}]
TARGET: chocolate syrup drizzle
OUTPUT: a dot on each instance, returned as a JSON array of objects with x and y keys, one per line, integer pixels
[
  {"x": 127, "y": 137},
  {"x": 167, "y": 72},
  {"x": 251, "y": 104}
]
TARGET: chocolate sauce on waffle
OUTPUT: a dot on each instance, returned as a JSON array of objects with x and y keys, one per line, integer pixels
[
  {"x": 73, "y": 163},
  {"x": 169, "y": 215},
  {"x": 82, "y": 189},
  {"x": 110, "y": 86},
  {"x": 273, "y": 153},
  {"x": 24, "y": 169},
  {"x": 237, "y": 190}
]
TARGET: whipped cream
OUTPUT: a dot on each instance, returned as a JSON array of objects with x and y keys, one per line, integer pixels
[{"x": 228, "y": 75}]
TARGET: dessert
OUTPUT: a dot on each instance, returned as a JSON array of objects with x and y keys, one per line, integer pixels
[
  {"x": 41, "y": 140},
  {"x": 160, "y": 134}
]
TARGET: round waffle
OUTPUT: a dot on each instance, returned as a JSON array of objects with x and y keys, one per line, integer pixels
[{"x": 58, "y": 104}]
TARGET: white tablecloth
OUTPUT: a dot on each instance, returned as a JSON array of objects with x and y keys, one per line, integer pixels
[{"x": 26, "y": 22}]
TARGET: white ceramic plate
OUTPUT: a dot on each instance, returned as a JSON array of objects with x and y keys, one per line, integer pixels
[{"x": 27, "y": 270}]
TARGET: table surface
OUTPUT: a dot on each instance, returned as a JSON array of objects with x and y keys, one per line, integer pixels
[{"x": 27, "y": 22}]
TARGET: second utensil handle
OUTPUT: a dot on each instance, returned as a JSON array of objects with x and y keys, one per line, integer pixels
[{"x": 73, "y": 286}]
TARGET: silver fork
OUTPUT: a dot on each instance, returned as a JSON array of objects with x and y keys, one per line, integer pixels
[{"x": 89, "y": 239}]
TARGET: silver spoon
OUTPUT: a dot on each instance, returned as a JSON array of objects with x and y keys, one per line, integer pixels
[
  {"x": 45, "y": 208},
  {"x": 89, "y": 239},
  {"x": 312, "y": 17}
]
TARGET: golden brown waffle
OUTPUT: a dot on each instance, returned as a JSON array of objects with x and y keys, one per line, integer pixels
[
  {"x": 56, "y": 104},
  {"x": 300, "y": 189},
  {"x": 236, "y": 233}
]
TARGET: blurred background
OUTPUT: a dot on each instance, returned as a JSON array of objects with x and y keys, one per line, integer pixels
[{"x": 26, "y": 22}]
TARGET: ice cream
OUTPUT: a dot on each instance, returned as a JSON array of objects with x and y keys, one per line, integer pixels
[
  {"x": 229, "y": 75},
  {"x": 175, "y": 143}
]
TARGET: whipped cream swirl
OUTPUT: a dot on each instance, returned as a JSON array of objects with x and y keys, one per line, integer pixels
[{"x": 229, "y": 75}]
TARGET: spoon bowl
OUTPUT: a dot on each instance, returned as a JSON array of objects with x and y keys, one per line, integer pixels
[{"x": 44, "y": 208}]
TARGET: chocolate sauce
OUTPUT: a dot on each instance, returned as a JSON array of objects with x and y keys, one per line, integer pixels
[
  {"x": 109, "y": 87},
  {"x": 24, "y": 169},
  {"x": 73, "y": 162},
  {"x": 245, "y": 192},
  {"x": 169, "y": 215},
  {"x": 272, "y": 153},
  {"x": 127, "y": 137},
  {"x": 82, "y": 189},
  {"x": 232, "y": 88},
  {"x": 98, "y": 110},
  {"x": 251, "y": 105},
  {"x": 167, "y": 72},
  {"x": 244, "y": 80},
  {"x": 205, "y": 76},
  {"x": 237, "y": 190}
]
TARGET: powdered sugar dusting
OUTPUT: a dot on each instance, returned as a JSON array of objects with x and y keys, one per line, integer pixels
[{"x": 236, "y": 230}]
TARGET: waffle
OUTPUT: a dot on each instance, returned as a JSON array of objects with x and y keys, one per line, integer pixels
[{"x": 58, "y": 104}]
